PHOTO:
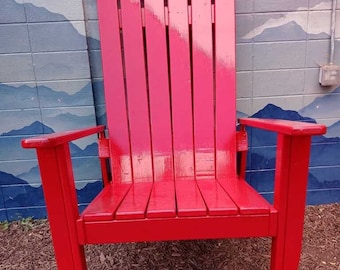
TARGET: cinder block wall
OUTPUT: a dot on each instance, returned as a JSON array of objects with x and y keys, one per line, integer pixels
[{"x": 51, "y": 80}]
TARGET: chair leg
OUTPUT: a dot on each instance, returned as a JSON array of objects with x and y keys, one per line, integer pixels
[
  {"x": 290, "y": 198},
  {"x": 66, "y": 260},
  {"x": 62, "y": 209},
  {"x": 286, "y": 250}
]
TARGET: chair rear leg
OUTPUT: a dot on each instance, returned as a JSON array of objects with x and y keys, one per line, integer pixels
[{"x": 286, "y": 250}]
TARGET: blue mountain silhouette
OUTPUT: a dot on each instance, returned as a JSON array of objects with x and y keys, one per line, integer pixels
[
  {"x": 9, "y": 179},
  {"x": 288, "y": 31},
  {"x": 35, "y": 128},
  {"x": 18, "y": 193}
]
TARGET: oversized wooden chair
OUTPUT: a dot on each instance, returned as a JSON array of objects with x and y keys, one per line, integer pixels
[{"x": 169, "y": 73}]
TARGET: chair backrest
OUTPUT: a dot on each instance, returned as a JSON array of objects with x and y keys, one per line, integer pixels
[{"x": 169, "y": 78}]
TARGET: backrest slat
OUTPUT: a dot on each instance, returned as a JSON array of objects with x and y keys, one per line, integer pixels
[
  {"x": 114, "y": 91},
  {"x": 137, "y": 96},
  {"x": 159, "y": 92},
  {"x": 180, "y": 74},
  {"x": 202, "y": 65},
  {"x": 225, "y": 88},
  {"x": 169, "y": 74}
]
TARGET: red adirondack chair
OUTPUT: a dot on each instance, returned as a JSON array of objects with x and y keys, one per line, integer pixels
[{"x": 169, "y": 73}]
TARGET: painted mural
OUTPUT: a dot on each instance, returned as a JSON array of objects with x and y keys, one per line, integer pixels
[{"x": 51, "y": 80}]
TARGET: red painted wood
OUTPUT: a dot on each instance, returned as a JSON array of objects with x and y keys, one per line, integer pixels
[
  {"x": 104, "y": 154},
  {"x": 59, "y": 138},
  {"x": 189, "y": 199},
  {"x": 290, "y": 198},
  {"x": 135, "y": 202},
  {"x": 159, "y": 92},
  {"x": 180, "y": 228},
  {"x": 242, "y": 148},
  {"x": 114, "y": 86},
  {"x": 202, "y": 59},
  {"x": 285, "y": 126},
  {"x": 245, "y": 197},
  {"x": 138, "y": 111},
  {"x": 104, "y": 206},
  {"x": 216, "y": 199},
  {"x": 61, "y": 203},
  {"x": 162, "y": 202},
  {"x": 138, "y": 99},
  {"x": 180, "y": 74},
  {"x": 225, "y": 88}
]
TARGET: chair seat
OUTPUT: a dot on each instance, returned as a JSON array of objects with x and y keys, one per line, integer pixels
[{"x": 183, "y": 198}]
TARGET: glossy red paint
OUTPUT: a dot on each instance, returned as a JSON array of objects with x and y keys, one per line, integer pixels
[
  {"x": 169, "y": 77},
  {"x": 181, "y": 94},
  {"x": 225, "y": 104},
  {"x": 115, "y": 91},
  {"x": 158, "y": 82}
]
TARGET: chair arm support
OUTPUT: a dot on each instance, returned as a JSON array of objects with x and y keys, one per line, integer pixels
[
  {"x": 55, "y": 139},
  {"x": 285, "y": 126}
]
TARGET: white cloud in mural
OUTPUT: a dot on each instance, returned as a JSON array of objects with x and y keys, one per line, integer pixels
[{"x": 319, "y": 22}]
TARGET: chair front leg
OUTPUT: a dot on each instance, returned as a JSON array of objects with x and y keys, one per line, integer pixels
[
  {"x": 61, "y": 202},
  {"x": 291, "y": 177}
]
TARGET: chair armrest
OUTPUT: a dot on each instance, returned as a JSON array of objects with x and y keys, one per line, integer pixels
[
  {"x": 285, "y": 126},
  {"x": 59, "y": 138}
]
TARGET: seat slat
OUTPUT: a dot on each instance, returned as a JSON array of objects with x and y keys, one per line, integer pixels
[
  {"x": 104, "y": 205},
  {"x": 202, "y": 65},
  {"x": 135, "y": 202},
  {"x": 180, "y": 74},
  {"x": 225, "y": 88},
  {"x": 138, "y": 111},
  {"x": 217, "y": 200},
  {"x": 162, "y": 202},
  {"x": 159, "y": 93},
  {"x": 245, "y": 197},
  {"x": 189, "y": 199}
]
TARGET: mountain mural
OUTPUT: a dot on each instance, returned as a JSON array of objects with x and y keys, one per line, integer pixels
[
  {"x": 25, "y": 96},
  {"x": 323, "y": 176},
  {"x": 334, "y": 130},
  {"x": 18, "y": 193},
  {"x": 89, "y": 151},
  {"x": 324, "y": 107}
]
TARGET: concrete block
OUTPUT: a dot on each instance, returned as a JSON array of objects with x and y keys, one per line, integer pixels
[
  {"x": 244, "y": 105},
  {"x": 317, "y": 53},
  {"x": 93, "y": 35},
  {"x": 278, "y": 82},
  {"x": 280, "y": 5},
  {"x": 16, "y": 68},
  {"x": 14, "y": 38},
  {"x": 244, "y": 84},
  {"x": 279, "y": 55},
  {"x": 12, "y": 11},
  {"x": 65, "y": 93},
  {"x": 91, "y": 12},
  {"x": 244, "y": 26},
  {"x": 244, "y": 57},
  {"x": 285, "y": 102},
  {"x": 60, "y": 36},
  {"x": 61, "y": 65},
  {"x": 49, "y": 11},
  {"x": 18, "y": 96},
  {"x": 280, "y": 26},
  {"x": 244, "y": 6},
  {"x": 96, "y": 63}
]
